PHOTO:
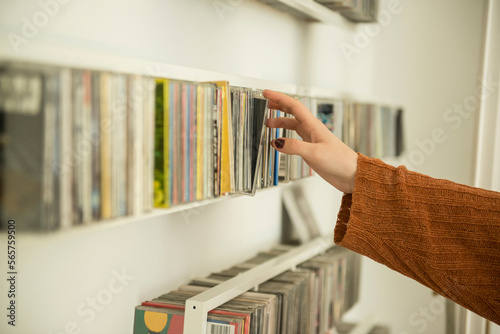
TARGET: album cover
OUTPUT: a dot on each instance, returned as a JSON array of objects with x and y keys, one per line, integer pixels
[
  {"x": 259, "y": 116},
  {"x": 226, "y": 140},
  {"x": 27, "y": 110},
  {"x": 162, "y": 145},
  {"x": 164, "y": 320}
]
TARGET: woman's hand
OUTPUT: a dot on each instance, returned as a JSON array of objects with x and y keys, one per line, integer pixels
[{"x": 322, "y": 151}]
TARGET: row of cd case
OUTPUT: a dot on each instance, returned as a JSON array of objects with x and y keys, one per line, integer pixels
[
  {"x": 210, "y": 140},
  {"x": 310, "y": 299},
  {"x": 76, "y": 146},
  {"x": 82, "y": 146},
  {"x": 374, "y": 130}
]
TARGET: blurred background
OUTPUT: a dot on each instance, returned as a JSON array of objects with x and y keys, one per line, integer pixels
[{"x": 428, "y": 56}]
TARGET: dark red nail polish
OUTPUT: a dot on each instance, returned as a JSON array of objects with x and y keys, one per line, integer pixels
[{"x": 279, "y": 143}]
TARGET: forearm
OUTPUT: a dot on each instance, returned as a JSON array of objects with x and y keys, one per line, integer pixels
[{"x": 442, "y": 234}]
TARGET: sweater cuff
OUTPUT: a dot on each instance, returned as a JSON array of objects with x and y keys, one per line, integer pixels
[
  {"x": 343, "y": 218},
  {"x": 345, "y": 207}
]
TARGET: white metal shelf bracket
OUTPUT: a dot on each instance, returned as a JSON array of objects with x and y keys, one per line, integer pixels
[{"x": 197, "y": 307}]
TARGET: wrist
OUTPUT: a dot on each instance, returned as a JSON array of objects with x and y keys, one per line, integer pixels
[{"x": 353, "y": 167}]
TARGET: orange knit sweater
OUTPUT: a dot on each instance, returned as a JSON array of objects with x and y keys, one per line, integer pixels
[{"x": 442, "y": 234}]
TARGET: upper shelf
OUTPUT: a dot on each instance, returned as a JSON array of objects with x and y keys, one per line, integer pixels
[
  {"x": 311, "y": 10},
  {"x": 97, "y": 226}
]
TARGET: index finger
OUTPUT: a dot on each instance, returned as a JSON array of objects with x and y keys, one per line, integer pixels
[{"x": 288, "y": 104}]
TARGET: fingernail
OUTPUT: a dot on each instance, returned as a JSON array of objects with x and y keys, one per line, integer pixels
[{"x": 279, "y": 143}]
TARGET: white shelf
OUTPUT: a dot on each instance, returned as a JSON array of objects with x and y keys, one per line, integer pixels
[
  {"x": 365, "y": 326},
  {"x": 93, "y": 227},
  {"x": 56, "y": 54},
  {"x": 197, "y": 307},
  {"x": 319, "y": 12}
]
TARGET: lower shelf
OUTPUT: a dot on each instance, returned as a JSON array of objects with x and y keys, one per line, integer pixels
[{"x": 195, "y": 320}]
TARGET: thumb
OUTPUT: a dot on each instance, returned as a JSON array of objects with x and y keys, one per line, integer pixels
[{"x": 292, "y": 146}]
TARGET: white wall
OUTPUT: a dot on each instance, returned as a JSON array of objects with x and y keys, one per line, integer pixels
[
  {"x": 327, "y": 67},
  {"x": 57, "y": 273},
  {"x": 487, "y": 172},
  {"x": 427, "y": 58},
  {"x": 188, "y": 33}
]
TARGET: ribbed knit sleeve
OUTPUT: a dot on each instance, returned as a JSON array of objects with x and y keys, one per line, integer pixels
[{"x": 443, "y": 234}]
